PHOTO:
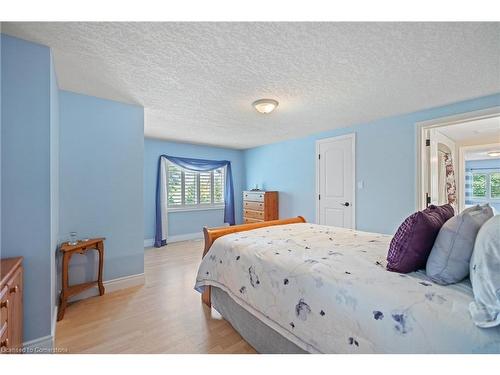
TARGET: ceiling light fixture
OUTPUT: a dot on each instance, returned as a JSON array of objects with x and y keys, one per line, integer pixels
[
  {"x": 265, "y": 106},
  {"x": 494, "y": 153}
]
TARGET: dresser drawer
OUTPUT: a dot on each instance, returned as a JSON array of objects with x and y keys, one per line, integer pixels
[
  {"x": 4, "y": 340},
  {"x": 256, "y": 206},
  {"x": 254, "y": 196},
  {"x": 254, "y": 214},
  {"x": 4, "y": 292},
  {"x": 3, "y": 317},
  {"x": 3, "y": 329},
  {"x": 248, "y": 220},
  {"x": 4, "y": 303},
  {"x": 4, "y": 313}
]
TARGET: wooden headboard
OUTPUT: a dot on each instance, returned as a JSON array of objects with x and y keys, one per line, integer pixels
[{"x": 211, "y": 234}]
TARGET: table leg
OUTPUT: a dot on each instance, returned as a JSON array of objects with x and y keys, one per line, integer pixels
[
  {"x": 63, "y": 299},
  {"x": 100, "y": 249},
  {"x": 206, "y": 296}
]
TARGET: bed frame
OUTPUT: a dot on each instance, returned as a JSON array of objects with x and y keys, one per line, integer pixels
[{"x": 211, "y": 234}]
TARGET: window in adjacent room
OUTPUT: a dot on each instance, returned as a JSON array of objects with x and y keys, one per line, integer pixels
[
  {"x": 478, "y": 185},
  {"x": 495, "y": 185},
  {"x": 188, "y": 189},
  {"x": 486, "y": 185}
]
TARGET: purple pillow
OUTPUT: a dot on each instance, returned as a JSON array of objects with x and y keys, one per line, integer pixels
[{"x": 411, "y": 245}]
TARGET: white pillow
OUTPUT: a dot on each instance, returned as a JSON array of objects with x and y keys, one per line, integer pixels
[{"x": 485, "y": 275}]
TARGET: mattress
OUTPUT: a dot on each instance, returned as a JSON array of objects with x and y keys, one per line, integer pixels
[
  {"x": 326, "y": 290},
  {"x": 259, "y": 335}
]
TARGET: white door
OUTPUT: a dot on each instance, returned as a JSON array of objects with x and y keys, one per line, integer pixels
[{"x": 335, "y": 181}]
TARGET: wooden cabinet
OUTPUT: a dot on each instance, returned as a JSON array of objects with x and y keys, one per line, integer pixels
[
  {"x": 260, "y": 206},
  {"x": 11, "y": 305}
]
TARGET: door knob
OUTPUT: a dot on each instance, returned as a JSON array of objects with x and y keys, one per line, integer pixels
[{"x": 345, "y": 204}]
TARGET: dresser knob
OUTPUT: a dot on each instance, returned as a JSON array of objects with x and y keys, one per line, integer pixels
[
  {"x": 14, "y": 289},
  {"x": 4, "y": 304},
  {"x": 4, "y": 343}
]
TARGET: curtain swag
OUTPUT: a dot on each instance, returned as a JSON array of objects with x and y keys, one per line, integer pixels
[{"x": 197, "y": 165}]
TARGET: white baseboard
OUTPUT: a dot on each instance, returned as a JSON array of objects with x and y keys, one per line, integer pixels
[
  {"x": 41, "y": 345},
  {"x": 185, "y": 237},
  {"x": 45, "y": 344},
  {"x": 111, "y": 286},
  {"x": 178, "y": 238},
  {"x": 54, "y": 322}
]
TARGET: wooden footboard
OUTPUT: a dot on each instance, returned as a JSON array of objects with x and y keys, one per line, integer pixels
[{"x": 211, "y": 234}]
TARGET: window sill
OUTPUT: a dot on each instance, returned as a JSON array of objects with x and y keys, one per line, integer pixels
[
  {"x": 482, "y": 199},
  {"x": 197, "y": 208}
]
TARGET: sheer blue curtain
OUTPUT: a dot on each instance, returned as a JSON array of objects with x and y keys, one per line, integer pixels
[{"x": 197, "y": 165}]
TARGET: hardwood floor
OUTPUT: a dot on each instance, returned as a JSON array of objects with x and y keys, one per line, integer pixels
[{"x": 163, "y": 316}]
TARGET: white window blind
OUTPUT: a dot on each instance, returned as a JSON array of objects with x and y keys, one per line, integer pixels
[
  {"x": 188, "y": 189},
  {"x": 219, "y": 185},
  {"x": 174, "y": 195},
  {"x": 205, "y": 187}
]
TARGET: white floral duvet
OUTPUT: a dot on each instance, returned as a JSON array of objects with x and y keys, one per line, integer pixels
[{"x": 326, "y": 289}]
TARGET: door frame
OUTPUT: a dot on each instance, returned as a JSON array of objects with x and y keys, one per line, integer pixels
[
  {"x": 319, "y": 142},
  {"x": 421, "y": 129},
  {"x": 436, "y": 138}
]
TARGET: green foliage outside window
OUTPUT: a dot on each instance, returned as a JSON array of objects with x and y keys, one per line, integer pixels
[
  {"x": 174, "y": 185},
  {"x": 219, "y": 186},
  {"x": 479, "y": 185},
  {"x": 495, "y": 185}
]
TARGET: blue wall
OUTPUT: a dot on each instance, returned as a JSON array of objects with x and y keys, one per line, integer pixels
[
  {"x": 188, "y": 222},
  {"x": 385, "y": 161},
  {"x": 483, "y": 164},
  {"x": 101, "y": 174},
  {"x": 28, "y": 134},
  {"x": 1, "y": 104},
  {"x": 54, "y": 179}
]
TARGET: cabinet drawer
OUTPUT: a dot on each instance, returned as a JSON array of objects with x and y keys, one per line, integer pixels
[
  {"x": 4, "y": 313},
  {"x": 4, "y": 293},
  {"x": 248, "y": 220},
  {"x": 15, "y": 294},
  {"x": 253, "y": 196},
  {"x": 256, "y": 206},
  {"x": 4, "y": 340},
  {"x": 253, "y": 214},
  {"x": 4, "y": 304}
]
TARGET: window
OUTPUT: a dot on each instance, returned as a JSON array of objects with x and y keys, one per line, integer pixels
[
  {"x": 478, "y": 185},
  {"x": 495, "y": 185},
  {"x": 188, "y": 189},
  {"x": 486, "y": 185}
]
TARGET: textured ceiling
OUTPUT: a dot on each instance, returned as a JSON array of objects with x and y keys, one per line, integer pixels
[{"x": 197, "y": 80}]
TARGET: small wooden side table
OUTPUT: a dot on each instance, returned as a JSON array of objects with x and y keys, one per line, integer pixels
[{"x": 68, "y": 251}]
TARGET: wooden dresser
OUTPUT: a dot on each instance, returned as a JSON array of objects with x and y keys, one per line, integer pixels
[
  {"x": 260, "y": 206},
  {"x": 11, "y": 305}
]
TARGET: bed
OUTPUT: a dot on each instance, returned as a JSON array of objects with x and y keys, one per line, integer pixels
[{"x": 292, "y": 287}]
